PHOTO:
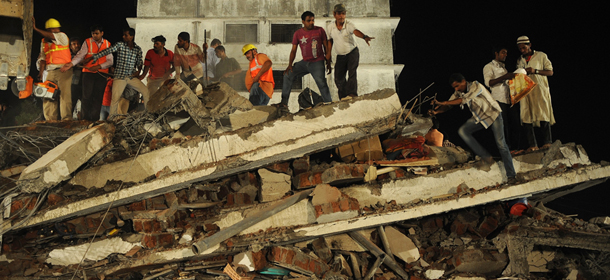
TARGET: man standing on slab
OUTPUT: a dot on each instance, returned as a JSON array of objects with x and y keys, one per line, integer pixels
[{"x": 341, "y": 34}]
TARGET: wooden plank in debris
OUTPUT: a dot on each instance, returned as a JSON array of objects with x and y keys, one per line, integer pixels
[
  {"x": 379, "y": 253},
  {"x": 409, "y": 162}
]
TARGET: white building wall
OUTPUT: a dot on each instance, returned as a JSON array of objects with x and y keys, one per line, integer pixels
[{"x": 376, "y": 68}]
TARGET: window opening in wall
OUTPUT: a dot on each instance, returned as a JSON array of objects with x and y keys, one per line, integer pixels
[
  {"x": 282, "y": 33},
  {"x": 241, "y": 33}
]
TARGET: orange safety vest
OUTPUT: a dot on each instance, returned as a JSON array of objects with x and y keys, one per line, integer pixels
[
  {"x": 55, "y": 54},
  {"x": 94, "y": 49},
  {"x": 255, "y": 67}
]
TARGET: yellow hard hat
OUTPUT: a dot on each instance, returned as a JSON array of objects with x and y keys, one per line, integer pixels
[
  {"x": 52, "y": 23},
  {"x": 247, "y": 47}
]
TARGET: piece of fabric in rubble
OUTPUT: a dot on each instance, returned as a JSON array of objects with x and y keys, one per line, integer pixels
[{"x": 405, "y": 147}]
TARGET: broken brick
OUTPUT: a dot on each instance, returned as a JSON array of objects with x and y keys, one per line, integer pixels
[
  {"x": 300, "y": 165},
  {"x": 54, "y": 199},
  {"x": 282, "y": 167},
  {"x": 343, "y": 174},
  {"x": 431, "y": 224},
  {"x": 307, "y": 180},
  {"x": 295, "y": 257},
  {"x": 138, "y": 206},
  {"x": 488, "y": 225}
]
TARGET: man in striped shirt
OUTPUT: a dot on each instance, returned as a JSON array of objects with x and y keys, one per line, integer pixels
[
  {"x": 485, "y": 113},
  {"x": 128, "y": 67}
]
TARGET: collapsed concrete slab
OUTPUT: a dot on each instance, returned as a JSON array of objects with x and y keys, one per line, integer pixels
[
  {"x": 235, "y": 152},
  {"x": 332, "y": 231},
  {"x": 58, "y": 164},
  {"x": 529, "y": 166}
]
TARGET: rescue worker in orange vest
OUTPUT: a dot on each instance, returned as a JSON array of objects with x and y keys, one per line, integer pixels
[
  {"x": 54, "y": 53},
  {"x": 94, "y": 73},
  {"x": 259, "y": 77}
]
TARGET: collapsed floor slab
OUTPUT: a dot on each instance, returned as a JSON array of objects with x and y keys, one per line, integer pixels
[
  {"x": 429, "y": 206},
  {"x": 446, "y": 182},
  {"x": 234, "y": 152}
]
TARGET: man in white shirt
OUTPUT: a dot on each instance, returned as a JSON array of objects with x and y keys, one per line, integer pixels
[
  {"x": 212, "y": 60},
  {"x": 496, "y": 78},
  {"x": 341, "y": 34}
]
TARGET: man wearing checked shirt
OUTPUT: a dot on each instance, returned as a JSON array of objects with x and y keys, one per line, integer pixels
[{"x": 128, "y": 67}]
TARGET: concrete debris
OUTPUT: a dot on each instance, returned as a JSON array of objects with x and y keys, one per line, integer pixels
[
  {"x": 58, "y": 164},
  {"x": 273, "y": 185},
  {"x": 97, "y": 251},
  {"x": 402, "y": 246},
  {"x": 255, "y": 193}
]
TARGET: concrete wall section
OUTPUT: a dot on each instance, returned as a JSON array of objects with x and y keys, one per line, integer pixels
[{"x": 268, "y": 8}]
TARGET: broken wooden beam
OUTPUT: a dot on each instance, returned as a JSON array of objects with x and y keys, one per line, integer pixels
[{"x": 379, "y": 253}]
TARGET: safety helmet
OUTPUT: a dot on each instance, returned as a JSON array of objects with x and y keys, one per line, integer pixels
[
  {"x": 52, "y": 23},
  {"x": 247, "y": 47}
]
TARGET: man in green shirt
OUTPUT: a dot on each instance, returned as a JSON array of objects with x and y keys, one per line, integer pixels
[{"x": 227, "y": 68}]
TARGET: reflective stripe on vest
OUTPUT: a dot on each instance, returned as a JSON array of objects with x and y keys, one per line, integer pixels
[
  {"x": 55, "y": 54},
  {"x": 254, "y": 69},
  {"x": 92, "y": 50}
]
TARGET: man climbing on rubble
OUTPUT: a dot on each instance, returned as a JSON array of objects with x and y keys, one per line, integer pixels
[
  {"x": 54, "y": 53},
  {"x": 259, "y": 77},
  {"x": 485, "y": 113},
  {"x": 94, "y": 73},
  {"x": 188, "y": 58},
  {"x": 496, "y": 78},
  {"x": 312, "y": 41},
  {"x": 227, "y": 67},
  {"x": 341, "y": 33},
  {"x": 158, "y": 64},
  {"x": 536, "y": 107},
  {"x": 127, "y": 71}
]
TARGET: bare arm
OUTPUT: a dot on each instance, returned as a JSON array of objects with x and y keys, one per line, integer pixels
[{"x": 366, "y": 38}]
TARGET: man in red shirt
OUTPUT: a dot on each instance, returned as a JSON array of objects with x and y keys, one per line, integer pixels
[
  {"x": 312, "y": 41},
  {"x": 160, "y": 62}
]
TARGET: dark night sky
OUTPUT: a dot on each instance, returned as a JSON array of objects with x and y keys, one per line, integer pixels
[{"x": 435, "y": 39}]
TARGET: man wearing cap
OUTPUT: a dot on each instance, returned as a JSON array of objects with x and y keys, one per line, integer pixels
[
  {"x": 259, "y": 77},
  {"x": 313, "y": 43},
  {"x": 536, "y": 107},
  {"x": 54, "y": 53},
  {"x": 341, "y": 33},
  {"x": 188, "y": 58},
  {"x": 158, "y": 64},
  {"x": 94, "y": 73}
]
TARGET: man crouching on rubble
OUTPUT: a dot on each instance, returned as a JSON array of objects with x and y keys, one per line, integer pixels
[{"x": 485, "y": 113}]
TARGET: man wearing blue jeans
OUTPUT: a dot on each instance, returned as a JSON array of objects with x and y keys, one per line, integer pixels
[
  {"x": 312, "y": 41},
  {"x": 485, "y": 113}
]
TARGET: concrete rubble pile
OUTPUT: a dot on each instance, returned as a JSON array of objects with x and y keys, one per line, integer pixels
[{"x": 206, "y": 186}]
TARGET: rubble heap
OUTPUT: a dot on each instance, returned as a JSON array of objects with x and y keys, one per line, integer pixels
[{"x": 312, "y": 195}]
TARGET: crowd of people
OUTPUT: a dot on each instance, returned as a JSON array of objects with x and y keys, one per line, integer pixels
[
  {"x": 495, "y": 109},
  {"x": 62, "y": 60},
  {"x": 84, "y": 70}
]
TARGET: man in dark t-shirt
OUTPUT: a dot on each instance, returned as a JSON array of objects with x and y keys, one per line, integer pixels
[{"x": 227, "y": 67}]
